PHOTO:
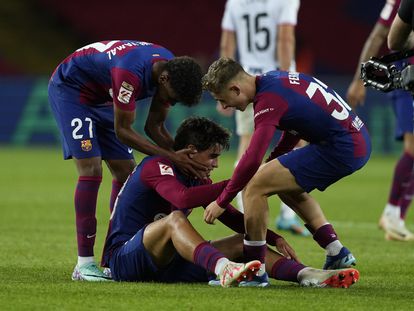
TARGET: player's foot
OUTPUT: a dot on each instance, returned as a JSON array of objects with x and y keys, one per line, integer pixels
[
  {"x": 234, "y": 272},
  {"x": 107, "y": 272},
  {"x": 397, "y": 231},
  {"x": 291, "y": 224},
  {"x": 343, "y": 278},
  {"x": 89, "y": 272},
  {"x": 344, "y": 259},
  {"x": 256, "y": 281}
]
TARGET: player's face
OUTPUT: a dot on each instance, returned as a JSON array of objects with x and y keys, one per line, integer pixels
[
  {"x": 233, "y": 97},
  {"x": 209, "y": 158}
]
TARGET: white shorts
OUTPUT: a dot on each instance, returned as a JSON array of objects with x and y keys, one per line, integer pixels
[{"x": 244, "y": 121}]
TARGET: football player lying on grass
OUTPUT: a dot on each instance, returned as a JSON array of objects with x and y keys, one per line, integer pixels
[{"x": 151, "y": 239}]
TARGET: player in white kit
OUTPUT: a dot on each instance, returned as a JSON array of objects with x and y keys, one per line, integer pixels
[{"x": 263, "y": 34}]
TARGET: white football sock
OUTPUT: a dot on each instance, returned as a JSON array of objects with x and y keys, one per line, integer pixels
[
  {"x": 218, "y": 269},
  {"x": 392, "y": 211},
  {"x": 85, "y": 260},
  {"x": 286, "y": 212},
  {"x": 333, "y": 248}
]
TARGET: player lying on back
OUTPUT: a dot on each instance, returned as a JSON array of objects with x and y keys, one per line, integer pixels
[
  {"x": 151, "y": 239},
  {"x": 303, "y": 108}
]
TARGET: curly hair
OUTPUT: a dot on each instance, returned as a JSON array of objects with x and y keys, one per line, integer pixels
[
  {"x": 185, "y": 79},
  {"x": 220, "y": 73},
  {"x": 202, "y": 133}
]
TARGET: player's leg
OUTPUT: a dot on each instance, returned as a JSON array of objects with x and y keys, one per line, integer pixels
[
  {"x": 120, "y": 170},
  {"x": 280, "y": 268},
  {"x": 390, "y": 219},
  {"x": 78, "y": 132},
  {"x": 175, "y": 233},
  {"x": 393, "y": 217}
]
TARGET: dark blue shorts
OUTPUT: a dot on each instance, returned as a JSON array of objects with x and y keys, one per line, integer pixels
[
  {"x": 86, "y": 131},
  {"x": 319, "y": 166},
  {"x": 402, "y": 102},
  {"x": 131, "y": 262}
]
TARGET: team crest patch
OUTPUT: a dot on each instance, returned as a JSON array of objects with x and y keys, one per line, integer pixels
[
  {"x": 125, "y": 92},
  {"x": 165, "y": 169},
  {"x": 86, "y": 145}
]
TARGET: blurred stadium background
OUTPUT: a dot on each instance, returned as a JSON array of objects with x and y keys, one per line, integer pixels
[{"x": 37, "y": 34}]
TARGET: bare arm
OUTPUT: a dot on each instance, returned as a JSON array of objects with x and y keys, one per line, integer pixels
[
  {"x": 356, "y": 91},
  {"x": 285, "y": 45},
  {"x": 127, "y": 135},
  {"x": 155, "y": 124},
  {"x": 228, "y": 44},
  {"x": 400, "y": 36}
]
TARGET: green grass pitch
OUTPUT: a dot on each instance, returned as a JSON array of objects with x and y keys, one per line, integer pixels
[{"x": 38, "y": 247}]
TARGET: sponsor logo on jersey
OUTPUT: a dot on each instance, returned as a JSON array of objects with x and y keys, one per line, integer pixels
[
  {"x": 86, "y": 145},
  {"x": 125, "y": 92},
  {"x": 263, "y": 111},
  {"x": 159, "y": 216},
  {"x": 165, "y": 169}
]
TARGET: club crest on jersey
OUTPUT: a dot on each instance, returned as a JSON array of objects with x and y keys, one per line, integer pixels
[
  {"x": 125, "y": 92},
  {"x": 86, "y": 145},
  {"x": 165, "y": 169}
]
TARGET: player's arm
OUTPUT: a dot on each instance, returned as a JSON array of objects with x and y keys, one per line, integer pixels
[
  {"x": 155, "y": 123},
  {"x": 401, "y": 36},
  {"x": 285, "y": 45},
  {"x": 286, "y": 143},
  {"x": 161, "y": 177},
  {"x": 228, "y": 44},
  {"x": 356, "y": 91}
]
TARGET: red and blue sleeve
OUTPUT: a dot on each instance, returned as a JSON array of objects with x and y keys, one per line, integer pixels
[
  {"x": 161, "y": 177},
  {"x": 126, "y": 86}
]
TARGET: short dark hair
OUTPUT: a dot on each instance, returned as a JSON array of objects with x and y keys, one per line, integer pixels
[
  {"x": 185, "y": 79},
  {"x": 202, "y": 133}
]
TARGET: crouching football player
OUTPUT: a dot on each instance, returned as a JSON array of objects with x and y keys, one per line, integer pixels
[{"x": 151, "y": 239}]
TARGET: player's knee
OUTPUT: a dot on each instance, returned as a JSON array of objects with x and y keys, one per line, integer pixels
[
  {"x": 252, "y": 190},
  {"x": 176, "y": 218}
]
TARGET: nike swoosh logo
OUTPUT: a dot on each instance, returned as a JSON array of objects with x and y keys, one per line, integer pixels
[
  {"x": 90, "y": 236},
  {"x": 130, "y": 150}
]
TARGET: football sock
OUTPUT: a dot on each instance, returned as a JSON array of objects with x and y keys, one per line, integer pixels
[
  {"x": 254, "y": 250},
  {"x": 221, "y": 263},
  {"x": 85, "y": 206},
  {"x": 116, "y": 187},
  {"x": 206, "y": 256},
  {"x": 392, "y": 211},
  {"x": 325, "y": 235},
  {"x": 84, "y": 260},
  {"x": 333, "y": 248},
  {"x": 406, "y": 198},
  {"x": 286, "y": 212},
  {"x": 402, "y": 174},
  {"x": 286, "y": 270}
]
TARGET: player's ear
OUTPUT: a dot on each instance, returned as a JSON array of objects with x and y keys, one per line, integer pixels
[
  {"x": 236, "y": 89},
  {"x": 163, "y": 78}
]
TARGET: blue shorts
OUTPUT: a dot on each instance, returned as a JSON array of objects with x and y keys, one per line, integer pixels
[
  {"x": 319, "y": 166},
  {"x": 131, "y": 262},
  {"x": 403, "y": 105},
  {"x": 86, "y": 131}
]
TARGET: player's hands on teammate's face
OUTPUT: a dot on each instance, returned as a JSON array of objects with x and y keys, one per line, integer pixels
[
  {"x": 212, "y": 212},
  {"x": 184, "y": 161},
  {"x": 284, "y": 247},
  {"x": 356, "y": 93}
]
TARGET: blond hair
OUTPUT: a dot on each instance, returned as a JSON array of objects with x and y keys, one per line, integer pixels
[{"x": 220, "y": 73}]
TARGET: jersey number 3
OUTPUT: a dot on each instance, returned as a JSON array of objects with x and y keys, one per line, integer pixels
[{"x": 330, "y": 98}]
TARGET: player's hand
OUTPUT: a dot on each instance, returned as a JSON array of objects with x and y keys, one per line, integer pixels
[
  {"x": 356, "y": 93},
  {"x": 183, "y": 159},
  {"x": 227, "y": 112},
  {"x": 287, "y": 251},
  {"x": 212, "y": 212}
]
